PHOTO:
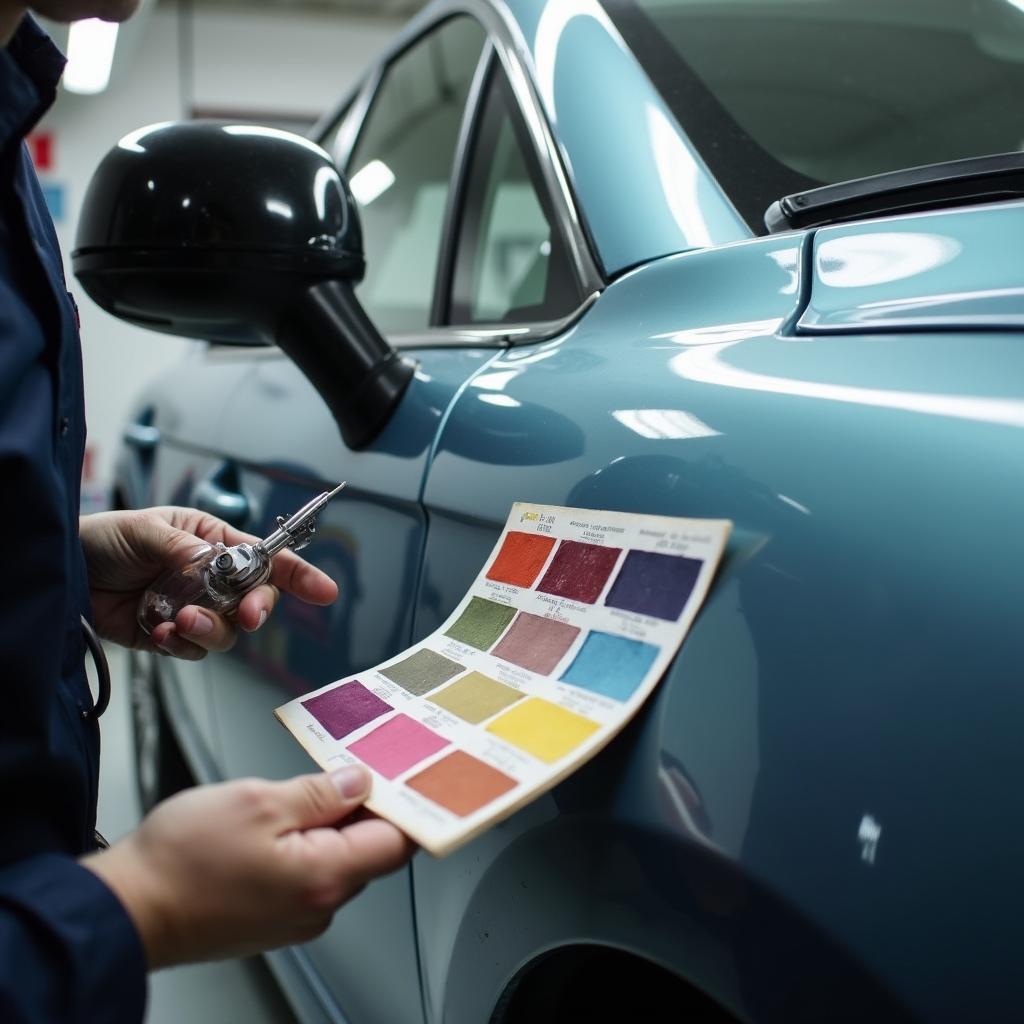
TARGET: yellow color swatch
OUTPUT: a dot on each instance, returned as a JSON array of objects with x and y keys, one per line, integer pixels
[{"x": 543, "y": 729}]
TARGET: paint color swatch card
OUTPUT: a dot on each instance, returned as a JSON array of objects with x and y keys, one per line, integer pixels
[{"x": 567, "y": 629}]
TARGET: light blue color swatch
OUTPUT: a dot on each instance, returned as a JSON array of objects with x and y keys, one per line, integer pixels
[{"x": 613, "y": 666}]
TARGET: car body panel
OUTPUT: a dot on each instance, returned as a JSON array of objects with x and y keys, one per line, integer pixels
[
  {"x": 867, "y": 478},
  {"x": 939, "y": 269}
]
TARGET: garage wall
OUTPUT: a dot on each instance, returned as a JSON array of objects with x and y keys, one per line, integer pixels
[{"x": 268, "y": 62}]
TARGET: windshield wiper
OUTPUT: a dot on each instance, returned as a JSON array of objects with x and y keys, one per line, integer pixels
[{"x": 974, "y": 180}]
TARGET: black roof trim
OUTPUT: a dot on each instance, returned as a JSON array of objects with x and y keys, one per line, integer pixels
[{"x": 955, "y": 182}]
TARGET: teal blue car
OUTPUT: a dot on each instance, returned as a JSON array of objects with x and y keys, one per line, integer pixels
[{"x": 757, "y": 261}]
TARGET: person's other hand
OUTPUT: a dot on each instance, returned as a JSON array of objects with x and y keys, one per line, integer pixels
[
  {"x": 237, "y": 868},
  {"x": 126, "y": 551}
]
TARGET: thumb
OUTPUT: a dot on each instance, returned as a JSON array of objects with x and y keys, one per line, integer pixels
[
  {"x": 312, "y": 801},
  {"x": 158, "y": 544},
  {"x": 171, "y": 547}
]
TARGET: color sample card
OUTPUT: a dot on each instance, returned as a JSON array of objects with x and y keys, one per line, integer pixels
[{"x": 565, "y": 632}]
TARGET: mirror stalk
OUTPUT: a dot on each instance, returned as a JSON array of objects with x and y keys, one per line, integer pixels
[{"x": 360, "y": 379}]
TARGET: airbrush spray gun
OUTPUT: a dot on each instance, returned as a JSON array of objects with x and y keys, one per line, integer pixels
[{"x": 218, "y": 577}]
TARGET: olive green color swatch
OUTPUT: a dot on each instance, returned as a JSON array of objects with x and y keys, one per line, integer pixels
[{"x": 481, "y": 623}]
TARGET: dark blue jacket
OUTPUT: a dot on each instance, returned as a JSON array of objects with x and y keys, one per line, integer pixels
[{"x": 68, "y": 951}]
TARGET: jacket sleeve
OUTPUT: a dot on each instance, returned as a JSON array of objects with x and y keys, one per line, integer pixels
[{"x": 69, "y": 953}]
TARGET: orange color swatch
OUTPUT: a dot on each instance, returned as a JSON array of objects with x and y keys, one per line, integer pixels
[
  {"x": 461, "y": 783},
  {"x": 521, "y": 558}
]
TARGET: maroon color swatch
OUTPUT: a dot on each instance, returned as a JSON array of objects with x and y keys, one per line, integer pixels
[{"x": 579, "y": 571}]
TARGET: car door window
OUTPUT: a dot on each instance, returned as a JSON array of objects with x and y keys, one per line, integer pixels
[
  {"x": 401, "y": 167},
  {"x": 511, "y": 263}
]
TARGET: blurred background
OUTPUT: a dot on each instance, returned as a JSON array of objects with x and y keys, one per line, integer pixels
[{"x": 275, "y": 62}]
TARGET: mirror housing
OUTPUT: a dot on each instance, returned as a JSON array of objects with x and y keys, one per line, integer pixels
[{"x": 242, "y": 235}]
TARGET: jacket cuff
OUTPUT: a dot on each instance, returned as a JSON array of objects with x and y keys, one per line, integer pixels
[{"x": 82, "y": 936}]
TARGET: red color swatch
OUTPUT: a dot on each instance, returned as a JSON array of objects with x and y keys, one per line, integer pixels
[{"x": 521, "y": 558}]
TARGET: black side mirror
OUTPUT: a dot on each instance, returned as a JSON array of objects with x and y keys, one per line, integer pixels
[{"x": 243, "y": 235}]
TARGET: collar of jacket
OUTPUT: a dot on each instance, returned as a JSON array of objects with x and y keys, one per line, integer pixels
[{"x": 30, "y": 68}]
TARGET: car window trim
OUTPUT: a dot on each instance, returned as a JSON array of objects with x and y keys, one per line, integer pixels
[
  {"x": 449, "y": 336},
  {"x": 352, "y": 113},
  {"x": 571, "y": 223},
  {"x": 504, "y": 335},
  {"x": 496, "y": 79},
  {"x": 505, "y": 39},
  {"x": 457, "y": 186}
]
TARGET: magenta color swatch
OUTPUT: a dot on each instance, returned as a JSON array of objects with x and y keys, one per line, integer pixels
[
  {"x": 536, "y": 643},
  {"x": 579, "y": 571},
  {"x": 396, "y": 745},
  {"x": 345, "y": 708}
]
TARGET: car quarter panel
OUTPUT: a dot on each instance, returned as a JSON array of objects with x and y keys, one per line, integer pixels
[
  {"x": 939, "y": 269},
  {"x": 840, "y": 728}
]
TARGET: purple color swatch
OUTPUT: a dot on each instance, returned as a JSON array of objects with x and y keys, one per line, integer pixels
[
  {"x": 654, "y": 584},
  {"x": 536, "y": 643},
  {"x": 579, "y": 571},
  {"x": 345, "y": 708},
  {"x": 396, "y": 745}
]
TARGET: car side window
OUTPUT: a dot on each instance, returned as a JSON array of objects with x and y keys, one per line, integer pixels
[
  {"x": 511, "y": 263},
  {"x": 400, "y": 171}
]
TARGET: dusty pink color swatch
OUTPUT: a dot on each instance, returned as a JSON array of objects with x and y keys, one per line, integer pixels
[
  {"x": 396, "y": 745},
  {"x": 536, "y": 643}
]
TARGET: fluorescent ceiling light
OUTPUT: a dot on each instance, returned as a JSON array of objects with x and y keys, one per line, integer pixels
[
  {"x": 90, "y": 55},
  {"x": 371, "y": 181}
]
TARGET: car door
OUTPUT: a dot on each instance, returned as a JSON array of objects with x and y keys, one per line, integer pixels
[
  {"x": 516, "y": 260},
  {"x": 281, "y": 447}
]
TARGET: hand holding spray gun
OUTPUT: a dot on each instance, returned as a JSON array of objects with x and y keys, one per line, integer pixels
[{"x": 218, "y": 577}]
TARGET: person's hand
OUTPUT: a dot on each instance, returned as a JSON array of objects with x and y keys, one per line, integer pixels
[
  {"x": 237, "y": 868},
  {"x": 126, "y": 551}
]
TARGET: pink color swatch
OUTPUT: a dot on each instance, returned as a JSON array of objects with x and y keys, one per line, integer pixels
[{"x": 396, "y": 745}]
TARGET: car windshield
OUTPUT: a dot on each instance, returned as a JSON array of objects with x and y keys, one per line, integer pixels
[{"x": 784, "y": 95}]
